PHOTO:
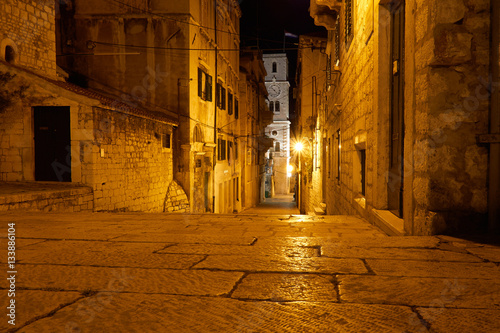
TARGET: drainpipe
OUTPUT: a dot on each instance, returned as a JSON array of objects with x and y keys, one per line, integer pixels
[{"x": 494, "y": 175}]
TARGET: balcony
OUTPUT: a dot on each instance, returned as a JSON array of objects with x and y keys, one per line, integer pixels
[{"x": 325, "y": 12}]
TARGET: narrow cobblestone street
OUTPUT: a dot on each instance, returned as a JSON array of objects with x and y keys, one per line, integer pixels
[{"x": 101, "y": 272}]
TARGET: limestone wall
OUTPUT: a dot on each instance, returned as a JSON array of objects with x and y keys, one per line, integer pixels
[
  {"x": 29, "y": 27},
  {"x": 446, "y": 101},
  {"x": 126, "y": 163},
  {"x": 120, "y": 155},
  {"x": 451, "y": 107}
]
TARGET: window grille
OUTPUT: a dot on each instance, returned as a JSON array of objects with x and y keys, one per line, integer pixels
[{"x": 348, "y": 21}]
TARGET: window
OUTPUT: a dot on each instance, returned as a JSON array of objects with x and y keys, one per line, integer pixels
[
  {"x": 236, "y": 109},
  {"x": 204, "y": 85},
  {"x": 229, "y": 103},
  {"x": 10, "y": 54},
  {"x": 221, "y": 96},
  {"x": 362, "y": 158},
  {"x": 166, "y": 140},
  {"x": 221, "y": 145},
  {"x": 277, "y": 146},
  {"x": 348, "y": 22},
  {"x": 197, "y": 134},
  {"x": 229, "y": 149},
  {"x": 271, "y": 106},
  {"x": 276, "y": 106},
  {"x": 235, "y": 150},
  {"x": 274, "y": 133},
  {"x": 275, "y": 67}
]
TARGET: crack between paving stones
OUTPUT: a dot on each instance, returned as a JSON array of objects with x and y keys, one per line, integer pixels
[
  {"x": 199, "y": 261},
  {"x": 336, "y": 286},
  {"x": 235, "y": 286},
  {"x": 164, "y": 248},
  {"x": 47, "y": 315},
  {"x": 368, "y": 268},
  {"x": 424, "y": 322}
]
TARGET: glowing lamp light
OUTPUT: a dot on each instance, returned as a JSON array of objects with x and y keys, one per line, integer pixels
[
  {"x": 289, "y": 168},
  {"x": 299, "y": 146}
]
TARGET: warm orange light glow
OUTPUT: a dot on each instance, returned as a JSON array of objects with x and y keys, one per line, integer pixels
[{"x": 299, "y": 146}]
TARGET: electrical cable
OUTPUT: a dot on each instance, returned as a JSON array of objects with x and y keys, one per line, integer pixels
[
  {"x": 186, "y": 48},
  {"x": 194, "y": 24}
]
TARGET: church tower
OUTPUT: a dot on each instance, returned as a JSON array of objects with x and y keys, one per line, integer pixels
[{"x": 278, "y": 89}]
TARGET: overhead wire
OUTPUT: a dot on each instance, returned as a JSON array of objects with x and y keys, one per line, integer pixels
[
  {"x": 194, "y": 24},
  {"x": 184, "y": 48}
]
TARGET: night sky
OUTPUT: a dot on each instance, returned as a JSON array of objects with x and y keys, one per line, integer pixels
[{"x": 268, "y": 19}]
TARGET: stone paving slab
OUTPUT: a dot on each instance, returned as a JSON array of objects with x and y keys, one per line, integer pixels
[
  {"x": 488, "y": 253},
  {"x": 135, "y": 272},
  {"x": 440, "y": 292},
  {"x": 188, "y": 239},
  {"x": 396, "y": 253},
  {"x": 31, "y": 304},
  {"x": 283, "y": 264},
  {"x": 113, "y": 254},
  {"x": 148, "y": 281},
  {"x": 461, "y": 320},
  {"x": 155, "y": 313},
  {"x": 434, "y": 269},
  {"x": 210, "y": 249},
  {"x": 287, "y": 287}
]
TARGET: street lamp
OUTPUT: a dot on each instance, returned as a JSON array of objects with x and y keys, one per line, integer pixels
[{"x": 298, "y": 148}]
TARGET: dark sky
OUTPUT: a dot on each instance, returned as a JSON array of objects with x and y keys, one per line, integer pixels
[{"x": 267, "y": 20}]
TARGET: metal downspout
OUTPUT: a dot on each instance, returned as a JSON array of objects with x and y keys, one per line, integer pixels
[{"x": 494, "y": 163}]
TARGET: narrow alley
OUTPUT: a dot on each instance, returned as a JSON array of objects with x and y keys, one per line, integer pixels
[
  {"x": 265, "y": 166},
  {"x": 136, "y": 272}
]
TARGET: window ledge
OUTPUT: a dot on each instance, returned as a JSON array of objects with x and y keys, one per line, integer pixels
[{"x": 388, "y": 222}]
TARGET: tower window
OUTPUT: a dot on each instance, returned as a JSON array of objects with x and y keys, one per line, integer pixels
[
  {"x": 276, "y": 106},
  {"x": 275, "y": 67}
]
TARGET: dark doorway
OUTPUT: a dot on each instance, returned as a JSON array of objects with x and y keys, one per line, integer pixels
[
  {"x": 395, "y": 181},
  {"x": 52, "y": 143}
]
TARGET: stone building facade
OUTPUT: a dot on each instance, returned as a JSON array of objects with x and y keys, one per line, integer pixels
[
  {"x": 278, "y": 87},
  {"x": 147, "y": 93},
  {"x": 179, "y": 58},
  {"x": 407, "y": 102},
  {"x": 254, "y": 117},
  {"x": 311, "y": 80},
  {"x": 51, "y": 130}
]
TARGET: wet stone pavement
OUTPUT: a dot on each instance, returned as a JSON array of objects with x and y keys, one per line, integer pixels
[{"x": 100, "y": 272}]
